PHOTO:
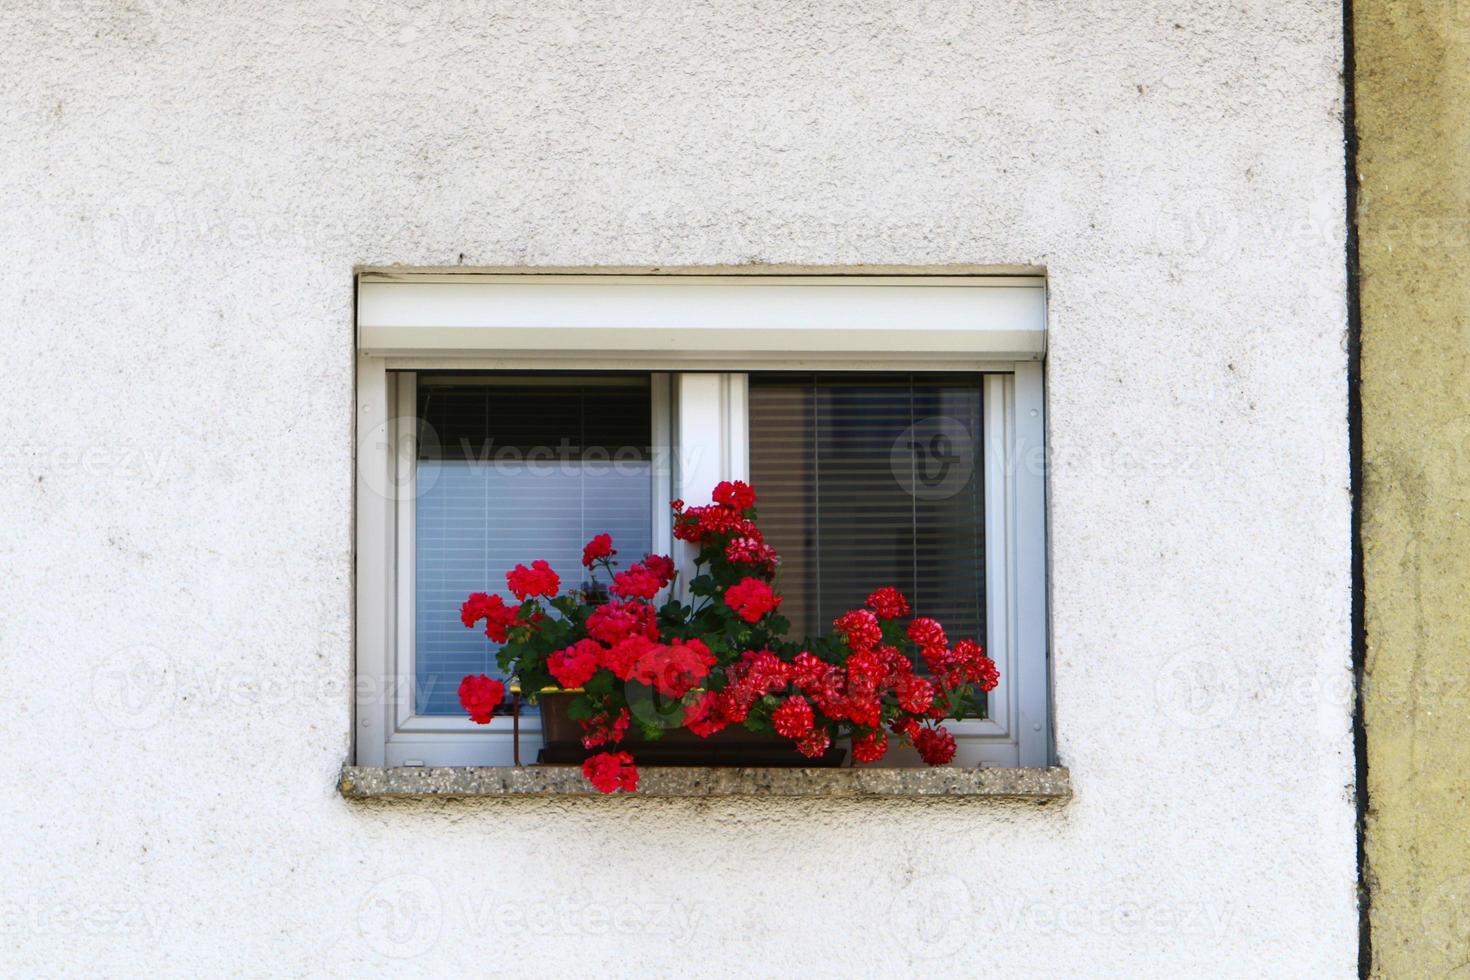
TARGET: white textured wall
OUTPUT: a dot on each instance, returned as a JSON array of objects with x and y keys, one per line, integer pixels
[{"x": 187, "y": 188}]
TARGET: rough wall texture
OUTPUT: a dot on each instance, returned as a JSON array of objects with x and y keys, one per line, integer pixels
[
  {"x": 1413, "y": 83},
  {"x": 188, "y": 187}
]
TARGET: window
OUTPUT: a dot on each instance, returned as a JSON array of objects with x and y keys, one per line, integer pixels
[
  {"x": 517, "y": 416},
  {"x": 510, "y": 467},
  {"x": 870, "y": 479}
]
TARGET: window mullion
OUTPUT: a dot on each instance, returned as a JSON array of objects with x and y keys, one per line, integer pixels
[{"x": 711, "y": 439}]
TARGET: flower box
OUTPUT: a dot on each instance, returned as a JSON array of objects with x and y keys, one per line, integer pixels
[
  {"x": 707, "y": 675},
  {"x": 733, "y": 746}
]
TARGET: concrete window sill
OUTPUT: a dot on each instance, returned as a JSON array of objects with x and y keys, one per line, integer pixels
[{"x": 1039, "y": 786}]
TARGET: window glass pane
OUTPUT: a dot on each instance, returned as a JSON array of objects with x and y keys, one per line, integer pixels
[
  {"x": 868, "y": 480},
  {"x": 512, "y": 468}
]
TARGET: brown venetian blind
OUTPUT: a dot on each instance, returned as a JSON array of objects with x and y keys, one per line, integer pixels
[{"x": 868, "y": 480}]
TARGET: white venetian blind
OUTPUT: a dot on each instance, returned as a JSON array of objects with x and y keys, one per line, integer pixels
[
  {"x": 512, "y": 468},
  {"x": 868, "y": 480}
]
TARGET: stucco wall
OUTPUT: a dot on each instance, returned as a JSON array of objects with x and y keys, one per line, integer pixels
[
  {"x": 1413, "y": 83},
  {"x": 188, "y": 188}
]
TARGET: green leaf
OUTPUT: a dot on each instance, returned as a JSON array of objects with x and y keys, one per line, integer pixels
[{"x": 580, "y": 708}]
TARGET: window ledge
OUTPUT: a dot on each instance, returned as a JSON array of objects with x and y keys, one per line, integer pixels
[{"x": 1040, "y": 786}]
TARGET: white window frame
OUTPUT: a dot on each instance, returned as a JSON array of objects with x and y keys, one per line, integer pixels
[{"x": 701, "y": 436}]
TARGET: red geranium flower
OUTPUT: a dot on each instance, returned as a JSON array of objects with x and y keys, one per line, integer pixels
[
  {"x": 940, "y": 663},
  {"x": 736, "y": 701},
  {"x": 860, "y": 628},
  {"x": 829, "y": 691},
  {"x": 479, "y": 695},
  {"x": 499, "y": 617},
  {"x": 751, "y": 599},
  {"x": 598, "y": 548},
  {"x": 752, "y": 551},
  {"x": 793, "y": 718},
  {"x": 927, "y": 633},
  {"x": 675, "y": 668},
  {"x": 936, "y": 745},
  {"x": 612, "y": 621},
  {"x": 575, "y": 665},
  {"x": 987, "y": 674},
  {"x": 636, "y": 583},
  {"x": 869, "y": 746},
  {"x": 707, "y": 715},
  {"x": 611, "y": 771},
  {"x": 661, "y": 567},
  {"x": 970, "y": 662},
  {"x": 622, "y": 657},
  {"x": 888, "y": 603},
  {"x": 814, "y": 743},
  {"x": 863, "y": 709},
  {"x": 866, "y": 669},
  {"x": 539, "y": 579},
  {"x": 915, "y": 694},
  {"x": 697, "y": 523},
  {"x": 895, "y": 663},
  {"x": 761, "y": 671},
  {"x": 604, "y": 729},
  {"x": 905, "y": 726},
  {"x": 734, "y": 494},
  {"x": 807, "y": 669}
]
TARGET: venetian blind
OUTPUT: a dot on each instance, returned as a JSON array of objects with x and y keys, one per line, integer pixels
[
  {"x": 867, "y": 480},
  {"x": 512, "y": 468}
]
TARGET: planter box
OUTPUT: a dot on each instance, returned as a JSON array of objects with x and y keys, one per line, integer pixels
[{"x": 733, "y": 746}]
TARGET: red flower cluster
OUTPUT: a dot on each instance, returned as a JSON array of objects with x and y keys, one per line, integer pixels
[
  {"x": 751, "y": 599},
  {"x": 479, "y": 695},
  {"x": 611, "y": 771},
  {"x": 674, "y": 669},
  {"x": 724, "y": 516},
  {"x": 862, "y": 680},
  {"x": 752, "y": 551},
  {"x": 575, "y": 665},
  {"x": 614, "y": 621},
  {"x": 888, "y": 603},
  {"x": 644, "y": 579},
  {"x": 605, "y": 728},
  {"x": 936, "y": 745},
  {"x": 870, "y": 746},
  {"x": 623, "y": 656},
  {"x": 793, "y": 718},
  {"x": 499, "y": 617},
  {"x": 860, "y": 629},
  {"x": 598, "y": 549},
  {"x": 539, "y": 579},
  {"x": 635, "y": 583},
  {"x": 751, "y": 678},
  {"x": 707, "y": 715},
  {"x": 735, "y": 494},
  {"x": 660, "y": 567}
]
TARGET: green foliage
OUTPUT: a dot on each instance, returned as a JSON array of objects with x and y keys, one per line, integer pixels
[{"x": 546, "y": 626}]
